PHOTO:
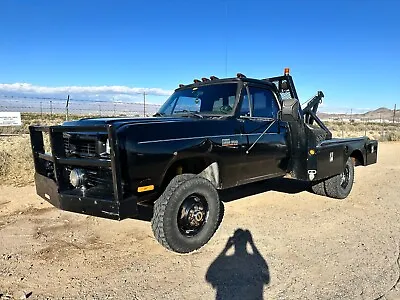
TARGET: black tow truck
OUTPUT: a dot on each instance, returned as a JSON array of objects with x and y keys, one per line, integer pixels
[{"x": 208, "y": 136}]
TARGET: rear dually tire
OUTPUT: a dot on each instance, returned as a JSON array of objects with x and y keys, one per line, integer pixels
[{"x": 339, "y": 186}]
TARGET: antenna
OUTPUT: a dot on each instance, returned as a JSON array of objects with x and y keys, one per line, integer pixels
[{"x": 226, "y": 38}]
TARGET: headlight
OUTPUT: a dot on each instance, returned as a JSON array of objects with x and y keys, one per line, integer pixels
[{"x": 77, "y": 177}]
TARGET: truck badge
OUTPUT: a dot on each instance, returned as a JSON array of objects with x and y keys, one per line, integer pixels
[{"x": 229, "y": 143}]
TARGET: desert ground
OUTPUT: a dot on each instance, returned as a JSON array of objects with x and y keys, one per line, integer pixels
[{"x": 286, "y": 244}]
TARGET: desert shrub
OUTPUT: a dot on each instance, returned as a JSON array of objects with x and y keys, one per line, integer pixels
[
  {"x": 393, "y": 136},
  {"x": 16, "y": 161},
  {"x": 5, "y": 159}
]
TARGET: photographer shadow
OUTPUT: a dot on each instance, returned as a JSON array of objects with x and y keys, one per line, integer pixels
[{"x": 241, "y": 275}]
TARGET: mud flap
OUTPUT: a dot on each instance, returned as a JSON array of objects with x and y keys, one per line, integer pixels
[{"x": 371, "y": 152}]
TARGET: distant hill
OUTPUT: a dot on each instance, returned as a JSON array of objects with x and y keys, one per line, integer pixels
[{"x": 382, "y": 113}]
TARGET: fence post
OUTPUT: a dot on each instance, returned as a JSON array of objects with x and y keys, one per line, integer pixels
[
  {"x": 342, "y": 127},
  {"x": 99, "y": 109},
  {"x": 144, "y": 104},
  {"x": 394, "y": 113},
  {"x": 51, "y": 108},
  {"x": 41, "y": 109},
  {"x": 67, "y": 109}
]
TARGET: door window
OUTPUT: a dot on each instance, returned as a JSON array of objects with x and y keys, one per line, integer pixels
[{"x": 262, "y": 103}]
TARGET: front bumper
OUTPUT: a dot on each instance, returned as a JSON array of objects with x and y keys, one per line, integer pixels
[
  {"x": 54, "y": 187},
  {"x": 85, "y": 204}
]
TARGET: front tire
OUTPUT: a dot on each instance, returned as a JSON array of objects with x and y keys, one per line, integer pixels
[{"x": 187, "y": 214}]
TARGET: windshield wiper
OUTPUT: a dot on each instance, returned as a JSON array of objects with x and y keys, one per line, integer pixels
[
  {"x": 192, "y": 113},
  {"x": 257, "y": 118}
]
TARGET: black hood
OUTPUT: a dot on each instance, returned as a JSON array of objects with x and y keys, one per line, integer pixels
[{"x": 124, "y": 120}]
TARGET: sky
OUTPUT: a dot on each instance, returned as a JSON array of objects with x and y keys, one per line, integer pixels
[{"x": 349, "y": 49}]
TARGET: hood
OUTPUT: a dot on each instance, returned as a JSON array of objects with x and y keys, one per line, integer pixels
[
  {"x": 146, "y": 129},
  {"x": 123, "y": 120}
]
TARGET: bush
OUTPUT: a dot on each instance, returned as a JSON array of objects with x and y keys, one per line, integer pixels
[{"x": 16, "y": 161}]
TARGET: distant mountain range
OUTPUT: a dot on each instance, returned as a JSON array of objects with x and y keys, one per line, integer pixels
[{"x": 382, "y": 113}]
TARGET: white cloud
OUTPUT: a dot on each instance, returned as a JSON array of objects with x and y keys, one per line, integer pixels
[{"x": 81, "y": 92}]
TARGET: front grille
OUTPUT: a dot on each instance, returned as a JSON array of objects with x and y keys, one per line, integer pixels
[
  {"x": 78, "y": 146},
  {"x": 99, "y": 177}
]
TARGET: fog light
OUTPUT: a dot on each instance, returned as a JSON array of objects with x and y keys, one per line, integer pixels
[{"x": 77, "y": 177}]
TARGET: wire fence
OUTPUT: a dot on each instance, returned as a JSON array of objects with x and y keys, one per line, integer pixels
[
  {"x": 71, "y": 106},
  {"x": 366, "y": 120}
]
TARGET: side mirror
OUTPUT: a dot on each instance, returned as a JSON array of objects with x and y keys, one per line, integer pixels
[{"x": 290, "y": 110}]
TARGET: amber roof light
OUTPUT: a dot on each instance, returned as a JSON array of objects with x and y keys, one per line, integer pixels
[{"x": 286, "y": 71}]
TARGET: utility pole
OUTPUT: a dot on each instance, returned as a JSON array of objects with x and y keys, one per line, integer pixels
[
  {"x": 144, "y": 104},
  {"x": 67, "y": 108},
  {"x": 394, "y": 113}
]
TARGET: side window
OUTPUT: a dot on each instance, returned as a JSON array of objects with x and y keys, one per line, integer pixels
[
  {"x": 263, "y": 103},
  {"x": 245, "y": 108}
]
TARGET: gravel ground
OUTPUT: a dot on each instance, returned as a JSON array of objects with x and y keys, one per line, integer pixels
[{"x": 276, "y": 241}]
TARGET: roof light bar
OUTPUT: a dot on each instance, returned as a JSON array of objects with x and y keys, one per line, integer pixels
[
  {"x": 181, "y": 85},
  {"x": 214, "y": 78},
  {"x": 240, "y": 75},
  {"x": 196, "y": 81},
  {"x": 204, "y": 79}
]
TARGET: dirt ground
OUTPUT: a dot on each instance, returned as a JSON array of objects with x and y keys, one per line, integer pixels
[{"x": 298, "y": 246}]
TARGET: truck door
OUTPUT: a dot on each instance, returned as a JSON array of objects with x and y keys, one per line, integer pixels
[{"x": 265, "y": 148}]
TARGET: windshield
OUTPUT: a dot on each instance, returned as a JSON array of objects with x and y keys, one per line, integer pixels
[{"x": 215, "y": 99}]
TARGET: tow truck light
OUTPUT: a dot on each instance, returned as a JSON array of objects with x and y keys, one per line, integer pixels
[
  {"x": 287, "y": 71},
  {"x": 214, "y": 77},
  {"x": 240, "y": 75},
  {"x": 204, "y": 79},
  {"x": 196, "y": 81}
]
